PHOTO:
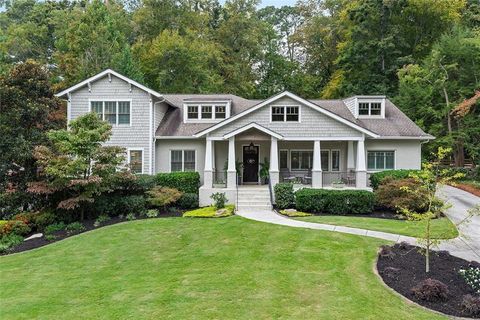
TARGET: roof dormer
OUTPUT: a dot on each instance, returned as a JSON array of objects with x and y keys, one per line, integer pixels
[
  {"x": 367, "y": 107},
  {"x": 202, "y": 111}
]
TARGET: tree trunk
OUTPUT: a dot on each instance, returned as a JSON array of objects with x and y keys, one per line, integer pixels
[
  {"x": 459, "y": 154},
  {"x": 427, "y": 252}
]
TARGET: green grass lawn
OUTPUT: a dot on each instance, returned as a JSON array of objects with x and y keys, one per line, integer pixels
[
  {"x": 442, "y": 228},
  {"x": 176, "y": 268}
]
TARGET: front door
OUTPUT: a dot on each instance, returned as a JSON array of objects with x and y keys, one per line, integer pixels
[{"x": 250, "y": 164}]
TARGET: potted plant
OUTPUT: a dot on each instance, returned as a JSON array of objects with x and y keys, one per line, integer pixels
[{"x": 265, "y": 171}]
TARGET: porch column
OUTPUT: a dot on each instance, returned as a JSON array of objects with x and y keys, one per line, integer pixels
[
  {"x": 231, "y": 170},
  {"x": 274, "y": 173},
  {"x": 208, "y": 172},
  {"x": 350, "y": 157},
  {"x": 361, "y": 169},
  {"x": 317, "y": 166}
]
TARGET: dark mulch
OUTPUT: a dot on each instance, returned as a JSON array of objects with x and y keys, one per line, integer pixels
[
  {"x": 406, "y": 269},
  {"x": 89, "y": 225}
]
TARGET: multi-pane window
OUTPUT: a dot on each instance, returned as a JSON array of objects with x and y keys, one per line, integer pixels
[
  {"x": 206, "y": 112},
  {"x": 301, "y": 160},
  {"x": 182, "y": 160},
  {"x": 192, "y": 112},
  {"x": 136, "y": 161},
  {"x": 283, "y": 159},
  {"x": 380, "y": 160},
  {"x": 114, "y": 112},
  {"x": 285, "y": 113},
  {"x": 220, "y": 112},
  {"x": 325, "y": 158},
  {"x": 369, "y": 109},
  {"x": 335, "y": 160}
]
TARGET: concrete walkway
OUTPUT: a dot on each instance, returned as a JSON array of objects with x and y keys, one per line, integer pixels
[{"x": 466, "y": 246}]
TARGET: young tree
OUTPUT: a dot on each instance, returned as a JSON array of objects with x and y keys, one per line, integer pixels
[{"x": 78, "y": 165}]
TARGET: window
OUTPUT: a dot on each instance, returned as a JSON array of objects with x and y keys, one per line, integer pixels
[
  {"x": 380, "y": 160},
  {"x": 114, "y": 112},
  {"x": 335, "y": 160},
  {"x": 206, "y": 112},
  {"x": 285, "y": 113},
  {"x": 325, "y": 158},
  {"x": 136, "y": 161},
  {"x": 283, "y": 159},
  {"x": 220, "y": 112},
  {"x": 301, "y": 160},
  {"x": 182, "y": 160},
  {"x": 192, "y": 112},
  {"x": 369, "y": 109}
]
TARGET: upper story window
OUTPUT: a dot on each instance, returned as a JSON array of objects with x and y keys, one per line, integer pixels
[
  {"x": 206, "y": 112},
  {"x": 370, "y": 108},
  {"x": 114, "y": 112},
  {"x": 285, "y": 113}
]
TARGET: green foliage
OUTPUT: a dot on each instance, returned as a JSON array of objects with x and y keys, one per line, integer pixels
[
  {"x": 101, "y": 219},
  {"x": 210, "y": 212},
  {"x": 8, "y": 241},
  {"x": 152, "y": 213},
  {"x": 187, "y": 182},
  {"x": 219, "y": 199},
  {"x": 130, "y": 217},
  {"x": 376, "y": 178},
  {"x": 472, "y": 277},
  {"x": 75, "y": 227},
  {"x": 17, "y": 227},
  {"x": 294, "y": 213},
  {"x": 284, "y": 195},
  {"x": 116, "y": 204},
  {"x": 188, "y": 201},
  {"x": 50, "y": 229},
  {"x": 341, "y": 202},
  {"x": 163, "y": 196}
]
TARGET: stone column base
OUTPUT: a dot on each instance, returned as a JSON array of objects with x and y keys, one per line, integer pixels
[
  {"x": 231, "y": 179},
  {"x": 274, "y": 177},
  {"x": 208, "y": 178},
  {"x": 317, "y": 179},
  {"x": 361, "y": 179}
]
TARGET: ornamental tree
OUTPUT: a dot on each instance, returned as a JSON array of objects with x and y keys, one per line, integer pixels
[{"x": 77, "y": 164}]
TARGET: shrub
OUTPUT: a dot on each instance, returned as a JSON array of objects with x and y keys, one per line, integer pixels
[
  {"x": 50, "y": 229},
  {"x": 130, "y": 216},
  {"x": 9, "y": 241},
  {"x": 390, "y": 194},
  {"x": 101, "y": 220},
  {"x": 151, "y": 213},
  {"x": 42, "y": 219},
  {"x": 284, "y": 196},
  {"x": 210, "y": 212},
  {"x": 377, "y": 177},
  {"x": 294, "y": 213},
  {"x": 188, "y": 201},
  {"x": 186, "y": 182},
  {"x": 163, "y": 196},
  {"x": 431, "y": 290},
  {"x": 220, "y": 199},
  {"x": 75, "y": 227},
  {"x": 471, "y": 305},
  {"x": 50, "y": 237},
  {"x": 471, "y": 275},
  {"x": 17, "y": 227},
  {"x": 334, "y": 201},
  {"x": 115, "y": 204}
]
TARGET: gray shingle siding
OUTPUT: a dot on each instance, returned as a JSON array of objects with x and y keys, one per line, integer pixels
[
  {"x": 134, "y": 136},
  {"x": 312, "y": 123}
]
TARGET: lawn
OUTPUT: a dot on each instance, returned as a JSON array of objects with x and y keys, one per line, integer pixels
[
  {"x": 176, "y": 268},
  {"x": 442, "y": 228}
]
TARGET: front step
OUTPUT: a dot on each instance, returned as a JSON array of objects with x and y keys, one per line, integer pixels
[{"x": 254, "y": 198}]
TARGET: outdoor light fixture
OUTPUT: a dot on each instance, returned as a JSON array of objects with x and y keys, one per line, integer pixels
[{"x": 251, "y": 147}]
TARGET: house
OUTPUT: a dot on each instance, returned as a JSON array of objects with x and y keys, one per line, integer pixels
[{"x": 318, "y": 143}]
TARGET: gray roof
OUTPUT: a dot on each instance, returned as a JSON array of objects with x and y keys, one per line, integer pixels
[{"x": 395, "y": 123}]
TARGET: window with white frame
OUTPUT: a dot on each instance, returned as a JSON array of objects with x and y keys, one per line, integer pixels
[
  {"x": 220, "y": 112},
  {"x": 206, "y": 111},
  {"x": 301, "y": 160},
  {"x": 285, "y": 113},
  {"x": 182, "y": 160},
  {"x": 136, "y": 161},
  {"x": 114, "y": 112},
  {"x": 192, "y": 112},
  {"x": 283, "y": 159},
  {"x": 380, "y": 160},
  {"x": 369, "y": 108}
]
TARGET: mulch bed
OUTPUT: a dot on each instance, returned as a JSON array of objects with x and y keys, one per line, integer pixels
[
  {"x": 411, "y": 270},
  {"x": 469, "y": 188},
  {"x": 89, "y": 225}
]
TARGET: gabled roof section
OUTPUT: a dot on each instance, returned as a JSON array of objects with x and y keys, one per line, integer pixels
[
  {"x": 108, "y": 72},
  {"x": 253, "y": 125},
  {"x": 296, "y": 98}
]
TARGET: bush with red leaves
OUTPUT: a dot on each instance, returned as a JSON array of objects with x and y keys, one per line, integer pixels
[
  {"x": 431, "y": 290},
  {"x": 471, "y": 305}
]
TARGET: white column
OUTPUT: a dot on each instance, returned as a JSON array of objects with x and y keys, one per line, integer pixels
[
  {"x": 350, "y": 157},
  {"x": 317, "y": 165},
  {"x": 360, "y": 165},
  {"x": 208, "y": 172},
  {"x": 231, "y": 170},
  {"x": 274, "y": 173}
]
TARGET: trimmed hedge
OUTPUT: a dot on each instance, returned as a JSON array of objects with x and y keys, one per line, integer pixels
[
  {"x": 188, "y": 201},
  {"x": 284, "y": 196},
  {"x": 340, "y": 202},
  {"x": 377, "y": 177},
  {"x": 187, "y": 182}
]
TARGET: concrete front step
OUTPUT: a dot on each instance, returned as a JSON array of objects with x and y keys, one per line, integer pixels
[{"x": 255, "y": 207}]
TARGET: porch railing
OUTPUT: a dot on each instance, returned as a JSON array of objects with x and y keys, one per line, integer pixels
[
  {"x": 219, "y": 179},
  {"x": 333, "y": 179}
]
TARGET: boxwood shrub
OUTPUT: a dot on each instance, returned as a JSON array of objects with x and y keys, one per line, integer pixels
[
  {"x": 340, "y": 202},
  {"x": 188, "y": 201},
  {"x": 187, "y": 182},
  {"x": 284, "y": 196},
  {"x": 377, "y": 177}
]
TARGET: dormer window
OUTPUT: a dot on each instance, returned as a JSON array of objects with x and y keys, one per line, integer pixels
[
  {"x": 220, "y": 112},
  {"x": 206, "y": 112},
  {"x": 370, "y": 107},
  {"x": 192, "y": 112}
]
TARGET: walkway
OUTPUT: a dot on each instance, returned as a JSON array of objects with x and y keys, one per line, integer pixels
[{"x": 466, "y": 246}]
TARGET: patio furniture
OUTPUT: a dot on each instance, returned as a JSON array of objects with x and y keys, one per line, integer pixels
[{"x": 307, "y": 178}]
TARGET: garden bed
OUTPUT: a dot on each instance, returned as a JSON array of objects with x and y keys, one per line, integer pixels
[
  {"x": 88, "y": 224},
  {"x": 471, "y": 187},
  {"x": 410, "y": 265}
]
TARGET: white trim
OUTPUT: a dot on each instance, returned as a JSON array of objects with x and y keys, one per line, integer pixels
[
  {"x": 143, "y": 157},
  {"x": 381, "y": 150},
  {"x": 329, "y": 164},
  {"x": 150, "y": 131},
  {"x": 200, "y": 104},
  {"x": 370, "y": 100},
  {"x": 427, "y": 137},
  {"x": 322, "y": 138},
  {"x": 103, "y": 100},
  {"x": 108, "y": 72},
  {"x": 285, "y": 106},
  {"x": 69, "y": 108},
  {"x": 250, "y": 126},
  {"x": 183, "y": 159},
  {"x": 258, "y": 165},
  {"x": 176, "y": 137},
  {"x": 294, "y": 97}
]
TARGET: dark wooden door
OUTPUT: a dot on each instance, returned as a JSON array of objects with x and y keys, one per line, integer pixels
[{"x": 250, "y": 164}]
